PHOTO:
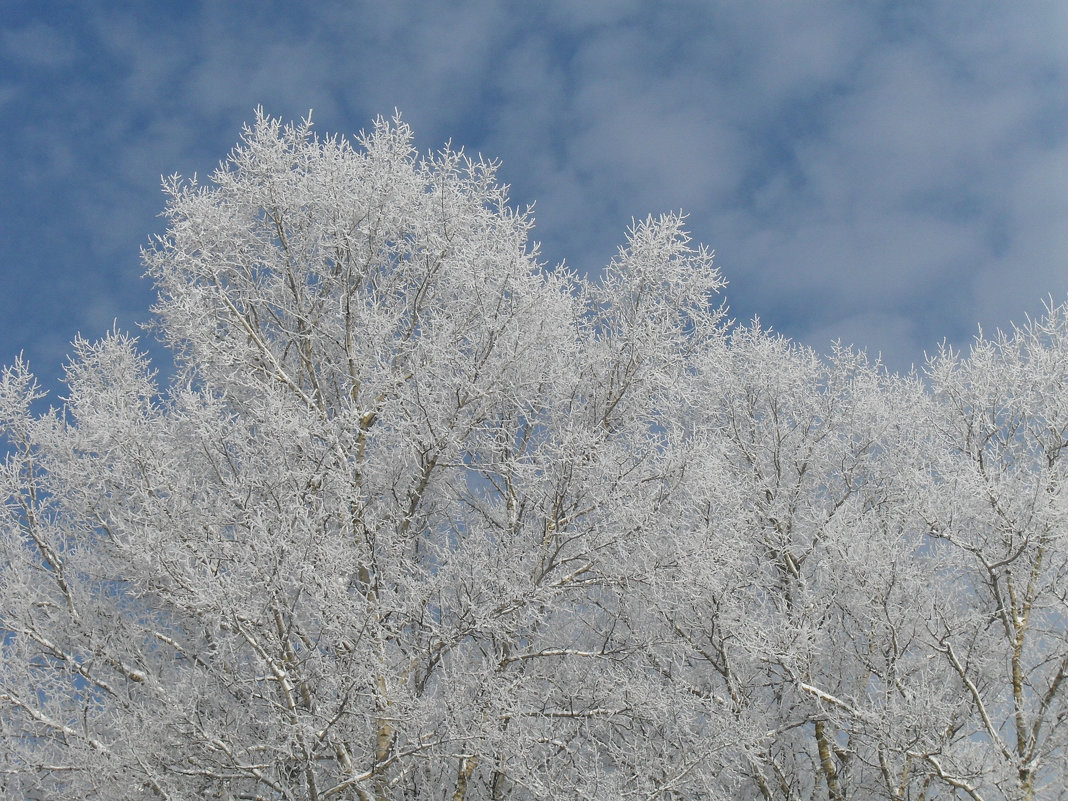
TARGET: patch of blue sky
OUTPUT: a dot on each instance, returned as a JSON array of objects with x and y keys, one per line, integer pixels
[{"x": 889, "y": 174}]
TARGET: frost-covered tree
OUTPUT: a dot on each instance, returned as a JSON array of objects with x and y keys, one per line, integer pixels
[
  {"x": 996, "y": 500},
  {"x": 416, "y": 518}
]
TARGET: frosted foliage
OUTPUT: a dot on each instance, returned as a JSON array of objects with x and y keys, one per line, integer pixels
[{"x": 418, "y": 518}]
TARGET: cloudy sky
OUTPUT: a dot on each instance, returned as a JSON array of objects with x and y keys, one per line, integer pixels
[{"x": 890, "y": 173}]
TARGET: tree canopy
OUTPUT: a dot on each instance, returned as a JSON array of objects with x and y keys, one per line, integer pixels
[{"x": 418, "y": 518}]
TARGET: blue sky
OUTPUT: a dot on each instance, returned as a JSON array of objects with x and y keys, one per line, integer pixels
[{"x": 888, "y": 173}]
